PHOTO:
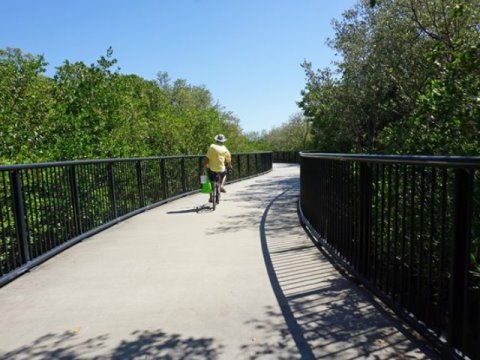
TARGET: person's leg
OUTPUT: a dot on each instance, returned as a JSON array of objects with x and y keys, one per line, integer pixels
[{"x": 222, "y": 182}]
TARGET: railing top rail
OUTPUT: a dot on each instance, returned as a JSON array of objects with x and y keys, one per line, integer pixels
[
  {"x": 85, "y": 162},
  {"x": 253, "y": 152},
  {"x": 450, "y": 161},
  {"x": 99, "y": 161}
]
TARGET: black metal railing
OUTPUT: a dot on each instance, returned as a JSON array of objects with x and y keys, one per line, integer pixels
[
  {"x": 47, "y": 207},
  {"x": 409, "y": 228},
  {"x": 288, "y": 157}
]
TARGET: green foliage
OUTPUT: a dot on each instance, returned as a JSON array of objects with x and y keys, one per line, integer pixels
[
  {"x": 293, "y": 135},
  {"x": 25, "y": 107},
  {"x": 86, "y": 109},
  {"x": 407, "y": 81},
  {"x": 97, "y": 112},
  {"x": 447, "y": 113}
]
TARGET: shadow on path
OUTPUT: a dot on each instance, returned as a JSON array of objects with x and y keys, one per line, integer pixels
[
  {"x": 198, "y": 209},
  {"x": 327, "y": 315},
  {"x": 144, "y": 344}
]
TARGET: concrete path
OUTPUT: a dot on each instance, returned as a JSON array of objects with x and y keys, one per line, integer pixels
[{"x": 183, "y": 282}]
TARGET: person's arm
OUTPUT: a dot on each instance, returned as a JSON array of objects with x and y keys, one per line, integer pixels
[
  {"x": 205, "y": 163},
  {"x": 228, "y": 160}
]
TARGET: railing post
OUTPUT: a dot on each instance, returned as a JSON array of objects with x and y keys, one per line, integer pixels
[
  {"x": 20, "y": 217},
  {"x": 163, "y": 176},
  {"x": 141, "y": 192},
  {"x": 75, "y": 201},
  {"x": 460, "y": 256},
  {"x": 113, "y": 195}
]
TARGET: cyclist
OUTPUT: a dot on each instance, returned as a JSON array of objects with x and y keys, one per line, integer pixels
[{"x": 217, "y": 160}]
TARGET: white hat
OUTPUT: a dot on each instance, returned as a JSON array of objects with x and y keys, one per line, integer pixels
[{"x": 220, "y": 138}]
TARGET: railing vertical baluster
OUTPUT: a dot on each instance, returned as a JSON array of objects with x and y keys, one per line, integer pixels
[
  {"x": 334, "y": 203},
  {"x": 200, "y": 165},
  {"x": 365, "y": 215},
  {"x": 341, "y": 205},
  {"x": 182, "y": 169},
  {"x": 163, "y": 175},
  {"x": 411, "y": 273},
  {"x": 65, "y": 205},
  {"x": 87, "y": 208},
  {"x": 375, "y": 229},
  {"x": 78, "y": 180},
  {"x": 431, "y": 236},
  {"x": 382, "y": 230},
  {"x": 49, "y": 207},
  {"x": 388, "y": 254},
  {"x": 141, "y": 191},
  {"x": 239, "y": 160},
  {"x": 113, "y": 190},
  {"x": 358, "y": 262},
  {"x": 395, "y": 272},
  {"x": 443, "y": 251},
  {"x": 43, "y": 234},
  {"x": 55, "y": 206},
  {"x": 352, "y": 210},
  {"x": 403, "y": 237},
  {"x": 460, "y": 256},
  {"x": 32, "y": 209},
  {"x": 338, "y": 207},
  {"x": 19, "y": 215},
  {"x": 72, "y": 175},
  {"x": 421, "y": 253},
  {"x": 328, "y": 226}
]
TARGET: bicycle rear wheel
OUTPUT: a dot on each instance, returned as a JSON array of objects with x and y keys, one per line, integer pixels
[
  {"x": 214, "y": 195},
  {"x": 218, "y": 192}
]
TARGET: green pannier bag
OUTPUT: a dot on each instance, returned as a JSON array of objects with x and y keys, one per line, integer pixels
[{"x": 206, "y": 185}]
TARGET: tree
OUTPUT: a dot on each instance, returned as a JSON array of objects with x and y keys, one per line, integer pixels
[
  {"x": 407, "y": 80},
  {"x": 96, "y": 112},
  {"x": 447, "y": 114},
  {"x": 293, "y": 135},
  {"x": 25, "y": 105}
]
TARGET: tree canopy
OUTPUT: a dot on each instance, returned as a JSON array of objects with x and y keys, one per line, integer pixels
[
  {"x": 407, "y": 80},
  {"x": 94, "y": 111}
]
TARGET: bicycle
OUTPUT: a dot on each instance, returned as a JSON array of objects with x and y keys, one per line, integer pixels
[{"x": 216, "y": 180}]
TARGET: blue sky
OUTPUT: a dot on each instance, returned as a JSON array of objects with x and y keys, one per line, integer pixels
[{"x": 246, "y": 52}]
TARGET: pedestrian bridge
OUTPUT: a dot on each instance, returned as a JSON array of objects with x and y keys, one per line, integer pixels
[{"x": 182, "y": 282}]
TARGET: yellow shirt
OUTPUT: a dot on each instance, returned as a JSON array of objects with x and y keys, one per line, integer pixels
[{"x": 217, "y": 155}]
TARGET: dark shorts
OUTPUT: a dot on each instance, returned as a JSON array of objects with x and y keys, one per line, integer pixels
[{"x": 213, "y": 176}]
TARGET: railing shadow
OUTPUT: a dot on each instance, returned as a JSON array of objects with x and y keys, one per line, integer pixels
[
  {"x": 326, "y": 314},
  {"x": 144, "y": 344}
]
